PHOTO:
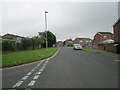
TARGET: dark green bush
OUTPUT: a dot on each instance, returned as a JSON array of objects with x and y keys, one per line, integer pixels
[
  {"x": 69, "y": 45},
  {"x": 8, "y": 45}
]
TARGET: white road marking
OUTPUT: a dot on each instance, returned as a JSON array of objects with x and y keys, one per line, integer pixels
[
  {"x": 36, "y": 77},
  {"x": 33, "y": 70},
  {"x": 31, "y": 83},
  {"x": 117, "y": 60},
  {"x": 38, "y": 73},
  {"x": 18, "y": 84},
  {"x": 41, "y": 69},
  {"x": 29, "y": 73},
  {"x": 25, "y": 77},
  {"x": 39, "y": 64},
  {"x": 45, "y": 64},
  {"x": 36, "y": 67}
]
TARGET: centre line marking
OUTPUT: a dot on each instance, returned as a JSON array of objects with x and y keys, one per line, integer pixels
[
  {"x": 29, "y": 73},
  {"x": 45, "y": 64},
  {"x": 25, "y": 77},
  {"x": 39, "y": 64},
  {"x": 18, "y": 84},
  {"x": 32, "y": 70},
  {"x": 41, "y": 69},
  {"x": 31, "y": 83},
  {"x": 36, "y": 67},
  {"x": 36, "y": 77},
  {"x": 37, "y": 73}
]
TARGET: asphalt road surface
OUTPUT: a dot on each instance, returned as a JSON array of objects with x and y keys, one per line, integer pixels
[{"x": 68, "y": 69}]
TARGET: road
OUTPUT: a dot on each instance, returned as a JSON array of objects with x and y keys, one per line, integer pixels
[{"x": 68, "y": 69}]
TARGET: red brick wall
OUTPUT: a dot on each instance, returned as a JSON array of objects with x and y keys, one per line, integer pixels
[
  {"x": 116, "y": 28},
  {"x": 108, "y": 47},
  {"x": 76, "y": 42},
  {"x": 94, "y": 45},
  {"x": 99, "y": 38},
  {"x": 108, "y": 37},
  {"x": 101, "y": 47}
]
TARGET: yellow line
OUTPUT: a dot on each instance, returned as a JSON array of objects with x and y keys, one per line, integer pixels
[{"x": 32, "y": 62}]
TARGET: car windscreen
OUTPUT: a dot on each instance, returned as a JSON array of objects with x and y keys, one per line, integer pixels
[{"x": 77, "y": 45}]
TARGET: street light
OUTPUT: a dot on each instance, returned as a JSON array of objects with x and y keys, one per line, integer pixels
[{"x": 46, "y": 29}]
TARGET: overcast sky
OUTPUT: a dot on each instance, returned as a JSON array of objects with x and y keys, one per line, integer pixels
[{"x": 65, "y": 19}]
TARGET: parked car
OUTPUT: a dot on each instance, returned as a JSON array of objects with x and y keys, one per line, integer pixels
[{"x": 77, "y": 47}]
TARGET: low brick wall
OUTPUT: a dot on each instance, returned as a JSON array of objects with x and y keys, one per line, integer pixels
[{"x": 107, "y": 47}]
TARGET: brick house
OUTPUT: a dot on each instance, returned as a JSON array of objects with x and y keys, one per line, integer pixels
[
  {"x": 14, "y": 38},
  {"x": 116, "y": 29},
  {"x": 67, "y": 41},
  {"x": 59, "y": 43},
  {"x": 86, "y": 42},
  {"x": 103, "y": 41}
]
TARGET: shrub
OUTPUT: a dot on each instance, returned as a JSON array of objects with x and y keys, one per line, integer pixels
[
  {"x": 69, "y": 45},
  {"x": 8, "y": 45}
]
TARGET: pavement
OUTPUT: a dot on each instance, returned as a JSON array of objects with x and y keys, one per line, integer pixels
[
  {"x": 111, "y": 54},
  {"x": 68, "y": 69}
]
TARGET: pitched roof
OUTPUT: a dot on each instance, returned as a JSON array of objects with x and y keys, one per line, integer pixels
[
  {"x": 82, "y": 38},
  {"x": 13, "y": 35},
  {"x": 105, "y": 33},
  {"x": 68, "y": 40}
]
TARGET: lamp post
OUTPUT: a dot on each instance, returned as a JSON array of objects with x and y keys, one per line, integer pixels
[{"x": 46, "y": 29}]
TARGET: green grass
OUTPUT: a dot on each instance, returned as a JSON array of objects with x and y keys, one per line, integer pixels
[
  {"x": 92, "y": 50},
  {"x": 26, "y": 56}
]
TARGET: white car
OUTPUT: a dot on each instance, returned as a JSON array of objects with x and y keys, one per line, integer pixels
[{"x": 77, "y": 47}]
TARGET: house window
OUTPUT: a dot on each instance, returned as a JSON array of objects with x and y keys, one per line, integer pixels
[
  {"x": 81, "y": 41},
  {"x": 105, "y": 36}
]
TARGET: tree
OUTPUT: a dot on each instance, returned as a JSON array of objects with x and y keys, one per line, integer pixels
[
  {"x": 28, "y": 43},
  {"x": 25, "y": 43},
  {"x": 51, "y": 38},
  {"x": 41, "y": 41},
  {"x": 34, "y": 42}
]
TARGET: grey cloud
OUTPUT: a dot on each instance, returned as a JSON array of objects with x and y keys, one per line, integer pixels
[{"x": 77, "y": 19}]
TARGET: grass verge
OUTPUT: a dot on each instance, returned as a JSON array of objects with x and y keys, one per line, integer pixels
[
  {"x": 92, "y": 50},
  {"x": 26, "y": 56}
]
